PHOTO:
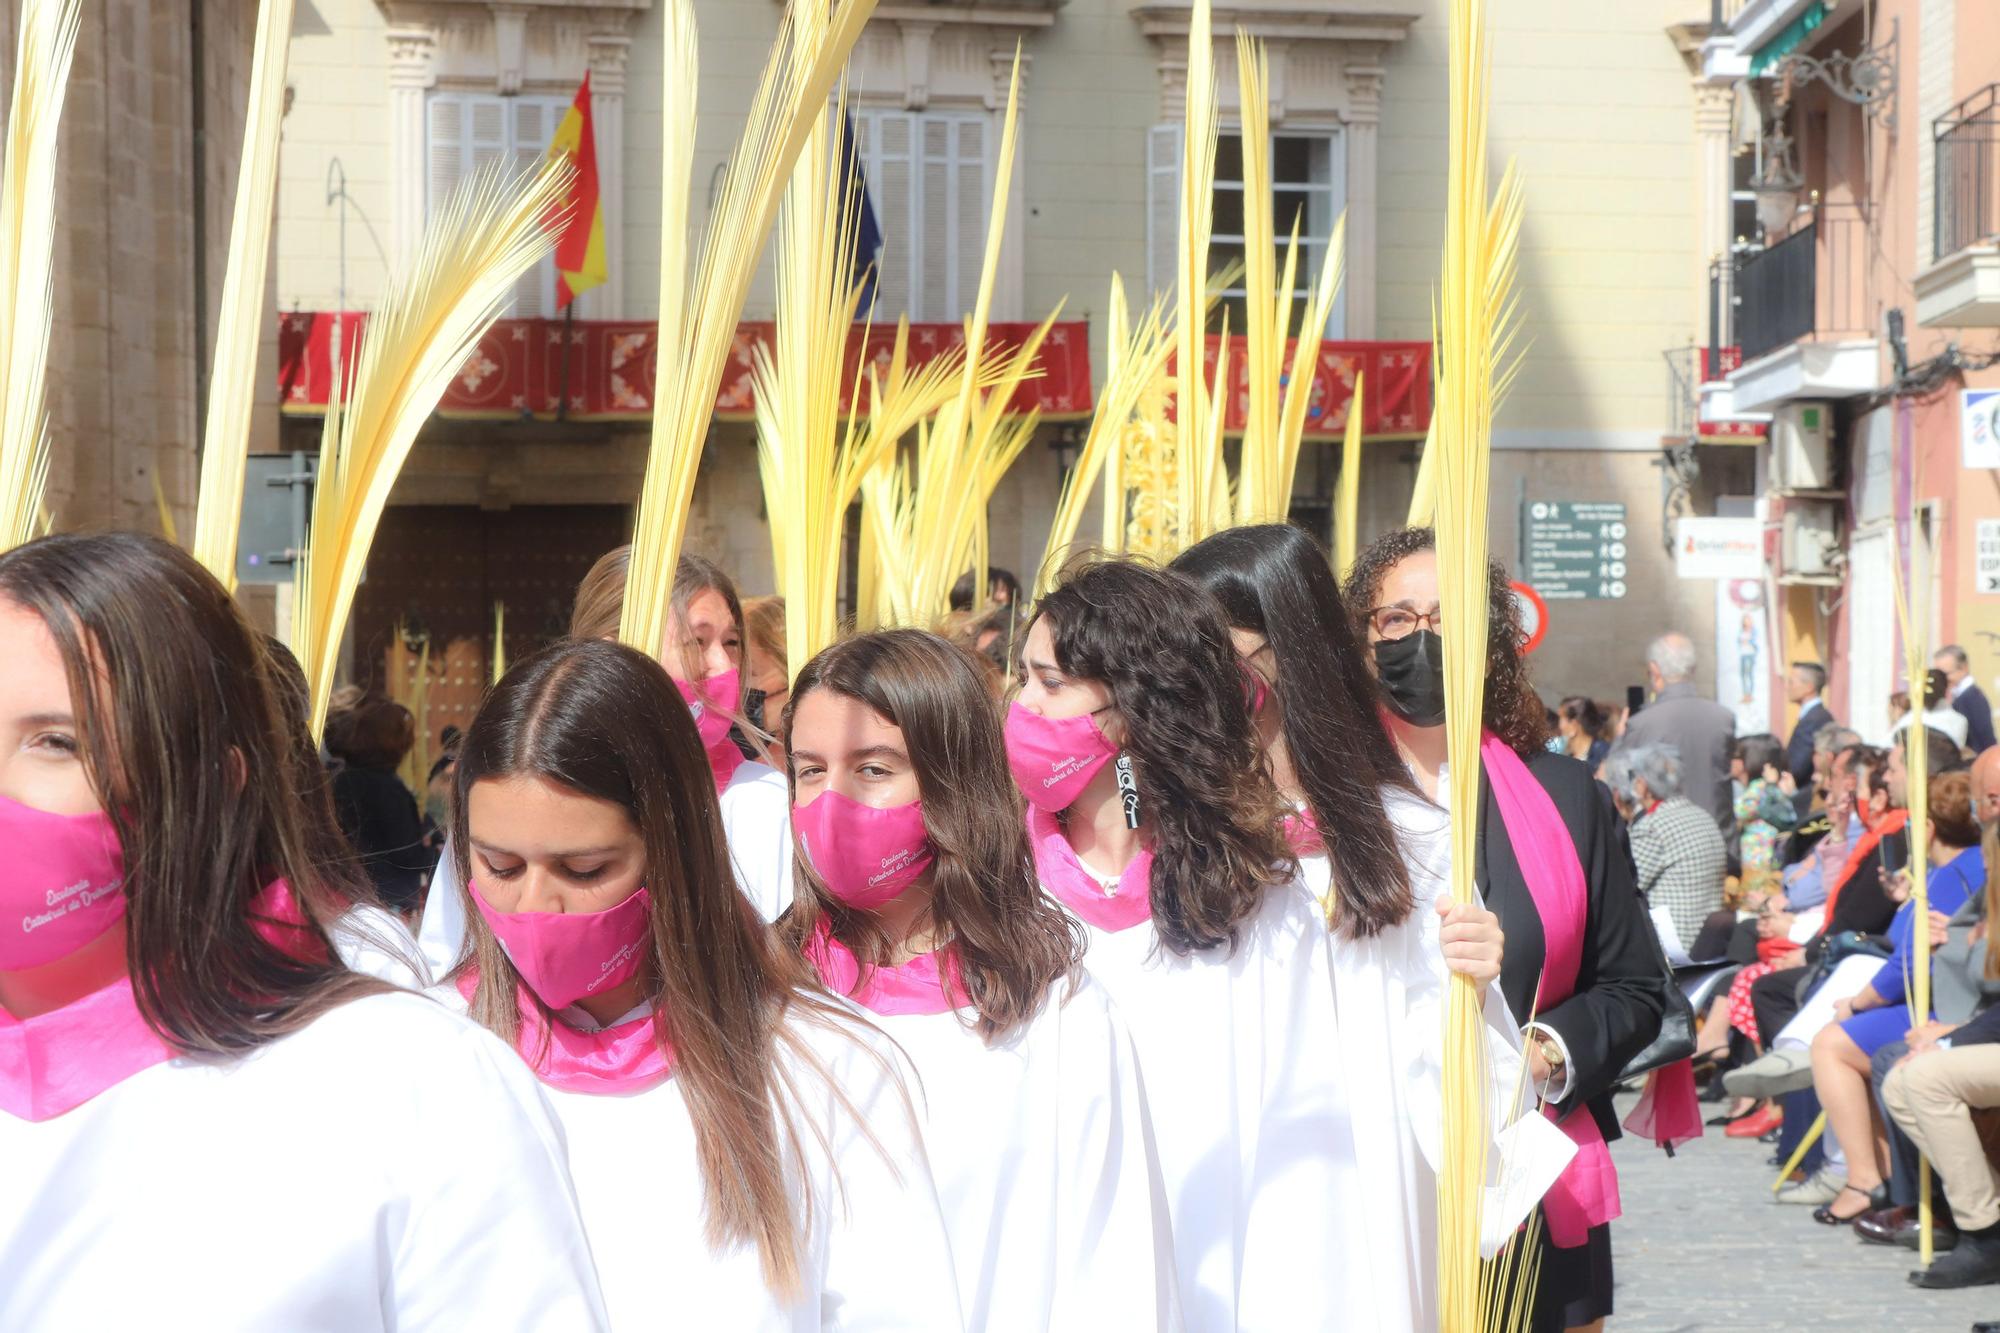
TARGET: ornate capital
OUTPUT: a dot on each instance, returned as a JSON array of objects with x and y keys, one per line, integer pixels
[
  {"x": 412, "y": 56},
  {"x": 1002, "y": 61},
  {"x": 609, "y": 55},
  {"x": 510, "y": 47}
]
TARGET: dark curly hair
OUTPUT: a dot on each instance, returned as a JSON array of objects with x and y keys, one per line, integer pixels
[
  {"x": 1161, "y": 643},
  {"x": 1514, "y": 712},
  {"x": 1275, "y": 580}
]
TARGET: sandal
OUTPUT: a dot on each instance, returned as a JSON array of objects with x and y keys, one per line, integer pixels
[{"x": 1825, "y": 1215}]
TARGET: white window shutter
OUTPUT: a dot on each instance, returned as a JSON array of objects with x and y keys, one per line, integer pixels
[
  {"x": 486, "y": 132},
  {"x": 531, "y": 128},
  {"x": 936, "y": 244},
  {"x": 1163, "y": 206},
  {"x": 971, "y": 180},
  {"x": 888, "y": 140},
  {"x": 444, "y": 148}
]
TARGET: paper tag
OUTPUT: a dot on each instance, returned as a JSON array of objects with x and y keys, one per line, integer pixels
[{"x": 1532, "y": 1152}]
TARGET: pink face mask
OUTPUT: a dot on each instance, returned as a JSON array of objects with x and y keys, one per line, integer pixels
[
  {"x": 60, "y": 880},
  {"x": 569, "y": 956},
  {"x": 1054, "y": 759},
  {"x": 711, "y": 700},
  {"x": 865, "y": 856}
]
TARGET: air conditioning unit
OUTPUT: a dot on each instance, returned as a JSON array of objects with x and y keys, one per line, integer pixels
[
  {"x": 1802, "y": 448},
  {"x": 1809, "y": 549}
]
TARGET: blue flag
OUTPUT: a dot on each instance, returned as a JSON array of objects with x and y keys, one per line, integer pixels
[{"x": 867, "y": 226}]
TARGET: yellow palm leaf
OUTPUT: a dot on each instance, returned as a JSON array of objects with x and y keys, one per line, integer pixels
[
  {"x": 488, "y": 233},
  {"x": 27, "y": 258},
  {"x": 232, "y": 385}
]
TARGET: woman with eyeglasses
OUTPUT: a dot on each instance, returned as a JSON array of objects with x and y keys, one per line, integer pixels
[
  {"x": 1582, "y": 958},
  {"x": 1375, "y": 854},
  {"x": 1155, "y": 822}
]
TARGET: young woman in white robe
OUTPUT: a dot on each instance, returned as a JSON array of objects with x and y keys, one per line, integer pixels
[
  {"x": 917, "y": 899},
  {"x": 745, "y": 1150},
  {"x": 1155, "y": 820},
  {"x": 704, "y": 656},
  {"x": 206, "y": 1120},
  {"x": 1377, "y": 857}
]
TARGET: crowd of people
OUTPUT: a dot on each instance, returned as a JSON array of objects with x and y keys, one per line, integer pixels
[
  {"x": 1783, "y": 869},
  {"x": 796, "y": 1000}
]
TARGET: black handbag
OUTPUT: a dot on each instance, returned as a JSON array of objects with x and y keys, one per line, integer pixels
[{"x": 1675, "y": 1039}]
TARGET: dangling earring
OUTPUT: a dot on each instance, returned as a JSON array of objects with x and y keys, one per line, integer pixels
[{"x": 1128, "y": 790}]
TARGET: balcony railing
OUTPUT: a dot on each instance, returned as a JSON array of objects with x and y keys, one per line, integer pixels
[
  {"x": 1966, "y": 194},
  {"x": 1810, "y": 285}
]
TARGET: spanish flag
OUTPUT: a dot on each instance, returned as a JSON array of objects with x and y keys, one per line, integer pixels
[{"x": 580, "y": 261}]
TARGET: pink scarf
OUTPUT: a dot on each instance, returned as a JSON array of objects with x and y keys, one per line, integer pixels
[
  {"x": 1586, "y": 1194},
  {"x": 918, "y": 986},
  {"x": 1302, "y": 832},
  {"x": 57, "y": 1061},
  {"x": 1066, "y": 879},
  {"x": 724, "y": 760},
  {"x": 610, "y": 1062}
]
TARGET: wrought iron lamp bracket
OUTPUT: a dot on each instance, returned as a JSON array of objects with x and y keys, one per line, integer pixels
[{"x": 1866, "y": 79}]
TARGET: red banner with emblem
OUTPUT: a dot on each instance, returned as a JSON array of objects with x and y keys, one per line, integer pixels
[
  {"x": 1726, "y": 432},
  {"x": 522, "y": 369}
]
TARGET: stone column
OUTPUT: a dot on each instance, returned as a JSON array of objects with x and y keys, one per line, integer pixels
[
  {"x": 1364, "y": 74},
  {"x": 608, "y": 54},
  {"x": 1714, "y": 110},
  {"x": 412, "y": 73}
]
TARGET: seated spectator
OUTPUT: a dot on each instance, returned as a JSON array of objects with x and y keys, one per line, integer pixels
[
  {"x": 1932, "y": 1093},
  {"x": 1582, "y": 726},
  {"x": 376, "y": 811},
  {"x": 1879, "y": 1012},
  {"x": 1762, "y": 812},
  {"x": 1676, "y": 846}
]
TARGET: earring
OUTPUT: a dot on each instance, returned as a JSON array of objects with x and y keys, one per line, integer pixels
[{"x": 1128, "y": 790}]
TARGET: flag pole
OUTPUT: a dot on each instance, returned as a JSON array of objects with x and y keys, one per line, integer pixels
[{"x": 562, "y": 378}]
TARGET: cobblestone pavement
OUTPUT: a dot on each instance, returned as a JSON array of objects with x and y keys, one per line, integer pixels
[{"x": 1702, "y": 1247}]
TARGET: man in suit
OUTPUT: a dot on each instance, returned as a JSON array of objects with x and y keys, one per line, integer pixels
[
  {"x": 1803, "y": 688},
  {"x": 1701, "y": 730},
  {"x": 1967, "y": 699}
]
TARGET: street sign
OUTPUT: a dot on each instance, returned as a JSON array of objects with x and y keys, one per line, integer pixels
[
  {"x": 1987, "y": 578},
  {"x": 1575, "y": 549},
  {"x": 1534, "y": 616}
]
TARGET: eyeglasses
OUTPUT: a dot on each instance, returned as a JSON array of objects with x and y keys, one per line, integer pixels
[{"x": 1399, "y": 622}]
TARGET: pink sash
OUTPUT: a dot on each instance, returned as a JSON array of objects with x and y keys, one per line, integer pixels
[
  {"x": 1586, "y": 1194},
  {"x": 1065, "y": 879},
  {"x": 610, "y": 1062},
  {"x": 58, "y": 1061},
  {"x": 918, "y": 986}
]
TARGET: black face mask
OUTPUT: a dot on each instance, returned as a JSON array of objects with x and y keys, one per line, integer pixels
[
  {"x": 1411, "y": 670},
  {"x": 753, "y": 708}
]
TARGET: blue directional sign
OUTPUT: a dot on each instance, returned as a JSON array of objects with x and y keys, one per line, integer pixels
[{"x": 1575, "y": 548}]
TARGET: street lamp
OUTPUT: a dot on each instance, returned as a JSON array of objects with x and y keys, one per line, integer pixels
[{"x": 1777, "y": 183}]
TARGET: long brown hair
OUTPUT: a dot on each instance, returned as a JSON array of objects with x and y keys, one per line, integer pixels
[
  {"x": 600, "y": 600},
  {"x": 1274, "y": 580},
  {"x": 187, "y": 748},
  {"x": 1012, "y": 941},
  {"x": 1160, "y": 642},
  {"x": 604, "y": 720},
  {"x": 1513, "y": 711}
]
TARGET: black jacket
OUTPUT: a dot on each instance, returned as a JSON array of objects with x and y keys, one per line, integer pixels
[
  {"x": 1616, "y": 1009},
  {"x": 1799, "y": 749},
  {"x": 1978, "y": 718},
  {"x": 380, "y": 819}
]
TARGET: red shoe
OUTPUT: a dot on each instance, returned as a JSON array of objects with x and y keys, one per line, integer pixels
[{"x": 1756, "y": 1125}]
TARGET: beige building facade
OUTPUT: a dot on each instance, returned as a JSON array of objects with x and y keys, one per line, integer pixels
[{"x": 393, "y": 99}]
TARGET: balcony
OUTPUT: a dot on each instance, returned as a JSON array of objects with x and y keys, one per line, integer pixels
[
  {"x": 1799, "y": 310},
  {"x": 1962, "y": 288}
]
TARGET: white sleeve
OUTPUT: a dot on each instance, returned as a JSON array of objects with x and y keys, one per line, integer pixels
[
  {"x": 1114, "y": 1244},
  {"x": 888, "y": 1261},
  {"x": 441, "y": 933},
  {"x": 486, "y": 1232},
  {"x": 757, "y": 821}
]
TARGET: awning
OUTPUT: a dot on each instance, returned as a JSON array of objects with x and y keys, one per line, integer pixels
[{"x": 1788, "y": 38}]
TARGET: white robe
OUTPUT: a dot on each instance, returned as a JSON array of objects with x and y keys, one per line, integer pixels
[
  {"x": 1389, "y": 991},
  {"x": 389, "y": 1167},
  {"x": 756, "y": 821},
  {"x": 1046, "y": 1169},
  {"x": 875, "y": 1258},
  {"x": 374, "y": 940},
  {"x": 1250, "y": 1112}
]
